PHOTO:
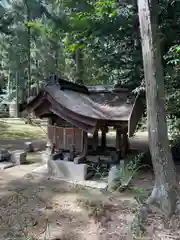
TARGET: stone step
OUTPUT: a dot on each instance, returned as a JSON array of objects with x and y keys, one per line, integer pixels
[
  {"x": 4, "y": 155},
  {"x": 5, "y": 165}
]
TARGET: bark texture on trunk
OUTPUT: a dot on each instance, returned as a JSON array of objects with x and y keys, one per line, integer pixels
[
  {"x": 28, "y": 19},
  {"x": 165, "y": 192},
  {"x": 79, "y": 66}
]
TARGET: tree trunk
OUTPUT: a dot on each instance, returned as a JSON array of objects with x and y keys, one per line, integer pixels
[
  {"x": 28, "y": 18},
  {"x": 17, "y": 94},
  {"x": 165, "y": 192},
  {"x": 79, "y": 66},
  {"x": 9, "y": 85}
]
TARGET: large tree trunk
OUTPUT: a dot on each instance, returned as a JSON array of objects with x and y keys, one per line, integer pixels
[
  {"x": 165, "y": 192},
  {"x": 28, "y": 18}
]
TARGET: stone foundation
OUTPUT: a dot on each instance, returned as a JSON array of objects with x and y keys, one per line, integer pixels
[
  {"x": 67, "y": 170},
  {"x": 18, "y": 157}
]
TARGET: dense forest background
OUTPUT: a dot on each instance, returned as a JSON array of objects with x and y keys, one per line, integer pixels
[{"x": 90, "y": 42}]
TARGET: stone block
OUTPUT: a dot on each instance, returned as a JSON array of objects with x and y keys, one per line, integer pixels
[
  {"x": 28, "y": 147},
  {"x": 4, "y": 155},
  {"x": 39, "y": 145},
  {"x": 18, "y": 157},
  {"x": 45, "y": 157},
  {"x": 67, "y": 170},
  {"x": 79, "y": 159},
  {"x": 113, "y": 176}
]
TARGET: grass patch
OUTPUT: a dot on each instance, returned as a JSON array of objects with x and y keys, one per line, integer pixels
[{"x": 18, "y": 130}]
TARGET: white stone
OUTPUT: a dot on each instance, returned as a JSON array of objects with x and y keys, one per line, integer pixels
[
  {"x": 45, "y": 157},
  {"x": 28, "y": 147},
  {"x": 18, "y": 157},
  {"x": 114, "y": 175}
]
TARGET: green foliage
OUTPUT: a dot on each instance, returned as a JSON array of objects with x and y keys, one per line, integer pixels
[
  {"x": 140, "y": 195},
  {"x": 28, "y": 238},
  {"x": 174, "y": 130},
  {"x": 128, "y": 171}
]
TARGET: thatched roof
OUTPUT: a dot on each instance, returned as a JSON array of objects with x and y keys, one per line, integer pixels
[{"x": 82, "y": 108}]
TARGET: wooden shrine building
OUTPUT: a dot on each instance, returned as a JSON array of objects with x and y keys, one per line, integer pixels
[{"x": 73, "y": 111}]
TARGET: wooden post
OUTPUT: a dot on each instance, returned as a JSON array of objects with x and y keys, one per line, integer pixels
[
  {"x": 104, "y": 130},
  {"x": 103, "y": 139},
  {"x": 118, "y": 139},
  {"x": 73, "y": 148},
  {"x": 55, "y": 133},
  {"x": 118, "y": 144},
  {"x": 123, "y": 145},
  {"x": 95, "y": 140},
  {"x": 85, "y": 143},
  {"x": 122, "y": 142},
  {"x": 126, "y": 142},
  {"x": 82, "y": 157}
]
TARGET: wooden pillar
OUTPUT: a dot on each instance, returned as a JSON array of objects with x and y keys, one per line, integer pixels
[
  {"x": 104, "y": 130},
  {"x": 118, "y": 139},
  {"x": 125, "y": 142},
  {"x": 85, "y": 143},
  {"x": 95, "y": 140},
  {"x": 122, "y": 143},
  {"x": 55, "y": 135},
  {"x": 103, "y": 139},
  {"x": 82, "y": 157},
  {"x": 118, "y": 142}
]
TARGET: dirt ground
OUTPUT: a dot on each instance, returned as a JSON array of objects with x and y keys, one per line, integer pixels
[{"x": 50, "y": 209}]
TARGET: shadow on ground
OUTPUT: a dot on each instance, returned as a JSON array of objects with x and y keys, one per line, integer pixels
[
  {"x": 43, "y": 207},
  {"x": 51, "y": 209}
]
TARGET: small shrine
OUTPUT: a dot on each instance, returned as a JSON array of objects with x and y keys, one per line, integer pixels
[{"x": 74, "y": 111}]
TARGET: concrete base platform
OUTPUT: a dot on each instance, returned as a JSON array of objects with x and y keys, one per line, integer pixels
[
  {"x": 42, "y": 171},
  {"x": 68, "y": 170}
]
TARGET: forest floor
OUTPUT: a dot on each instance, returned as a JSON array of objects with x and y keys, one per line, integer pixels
[
  {"x": 50, "y": 209},
  {"x": 32, "y": 205}
]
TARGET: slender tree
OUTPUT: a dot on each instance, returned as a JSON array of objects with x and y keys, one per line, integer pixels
[
  {"x": 79, "y": 66},
  {"x": 165, "y": 192}
]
